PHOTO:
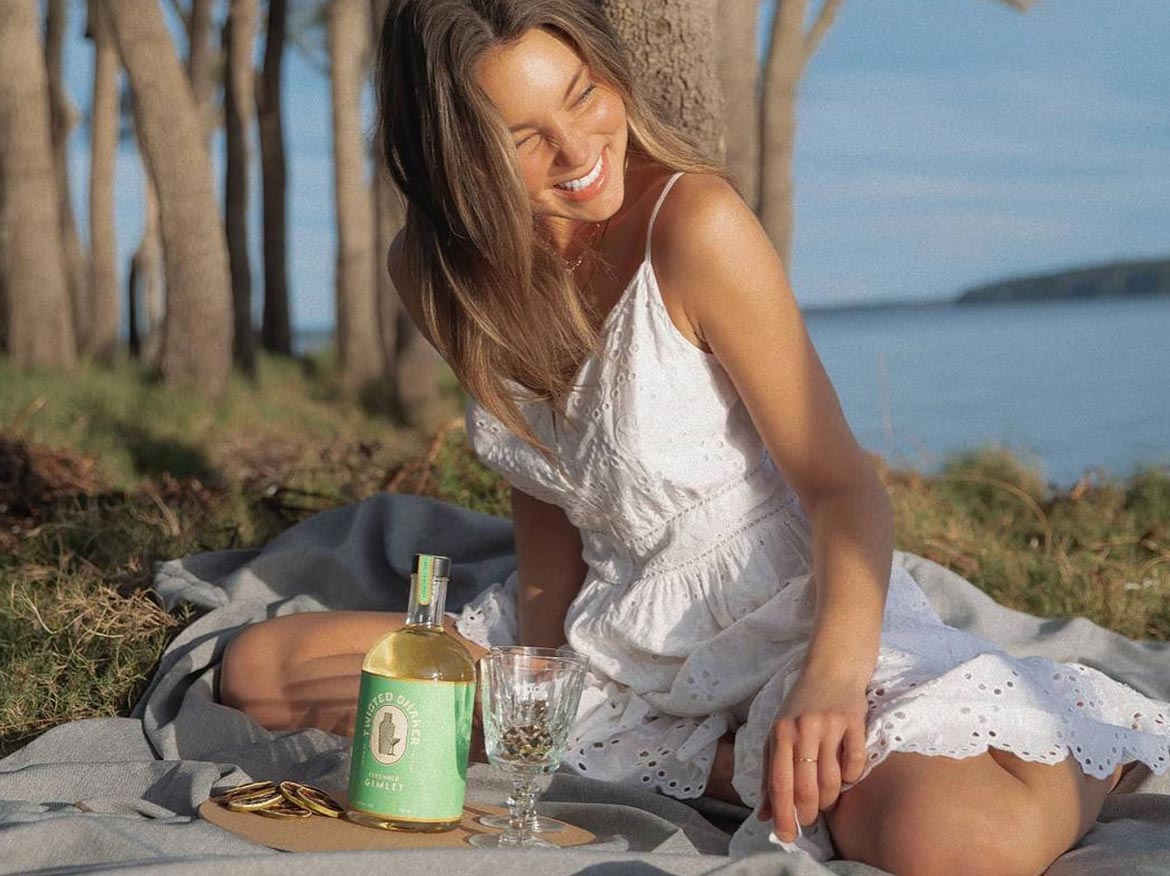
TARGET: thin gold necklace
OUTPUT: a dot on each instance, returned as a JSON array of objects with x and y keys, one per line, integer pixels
[{"x": 599, "y": 229}]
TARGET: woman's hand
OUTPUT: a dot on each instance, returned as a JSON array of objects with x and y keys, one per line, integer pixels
[{"x": 821, "y": 718}]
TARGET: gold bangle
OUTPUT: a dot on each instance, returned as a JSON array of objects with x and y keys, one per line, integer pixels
[
  {"x": 249, "y": 790},
  {"x": 252, "y": 804},
  {"x": 310, "y": 799},
  {"x": 285, "y": 811}
]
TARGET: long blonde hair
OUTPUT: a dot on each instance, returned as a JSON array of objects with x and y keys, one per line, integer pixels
[{"x": 498, "y": 305}]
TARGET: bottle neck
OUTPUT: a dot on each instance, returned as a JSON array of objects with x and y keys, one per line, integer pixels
[{"x": 427, "y": 600}]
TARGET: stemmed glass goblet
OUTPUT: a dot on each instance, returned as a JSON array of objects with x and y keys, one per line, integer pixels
[
  {"x": 537, "y": 823},
  {"x": 529, "y": 704}
]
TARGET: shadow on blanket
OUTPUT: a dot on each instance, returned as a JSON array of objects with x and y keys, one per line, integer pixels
[{"x": 121, "y": 793}]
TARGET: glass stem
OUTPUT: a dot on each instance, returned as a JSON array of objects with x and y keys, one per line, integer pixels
[
  {"x": 533, "y": 822},
  {"x": 522, "y": 810}
]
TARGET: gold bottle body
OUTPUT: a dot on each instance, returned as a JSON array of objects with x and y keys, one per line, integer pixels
[{"x": 417, "y": 653}]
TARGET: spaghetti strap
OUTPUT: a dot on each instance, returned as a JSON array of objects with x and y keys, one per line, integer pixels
[{"x": 658, "y": 206}]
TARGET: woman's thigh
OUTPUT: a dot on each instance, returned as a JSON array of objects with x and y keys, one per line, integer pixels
[
  {"x": 992, "y": 813},
  {"x": 304, "y": 670}
]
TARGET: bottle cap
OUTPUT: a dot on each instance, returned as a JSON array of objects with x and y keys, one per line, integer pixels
[{"x": 440, "y": 567}]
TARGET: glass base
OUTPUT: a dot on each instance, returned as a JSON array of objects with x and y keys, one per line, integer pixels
[
  {"x": 501, "y": 841},
  {"x": 540, "y": 824}
]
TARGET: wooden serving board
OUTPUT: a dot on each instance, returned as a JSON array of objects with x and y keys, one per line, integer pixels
[{"x": 319, "y": 833}]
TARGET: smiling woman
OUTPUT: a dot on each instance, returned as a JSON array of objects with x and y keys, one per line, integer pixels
[
  {"x": 691, "y": 510},
  {"x": 532, "y": 111}
]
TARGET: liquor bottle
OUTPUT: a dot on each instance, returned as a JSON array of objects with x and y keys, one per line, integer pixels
[{"x": 413, "y": 729}]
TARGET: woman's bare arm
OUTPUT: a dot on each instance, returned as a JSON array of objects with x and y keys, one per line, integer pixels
[
  {"x": 729, "y": 279},
  {"x": 548, "y": 556}
]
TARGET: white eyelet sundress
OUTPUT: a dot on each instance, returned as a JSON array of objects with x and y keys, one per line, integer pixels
[{"x": 697, "y": 607}]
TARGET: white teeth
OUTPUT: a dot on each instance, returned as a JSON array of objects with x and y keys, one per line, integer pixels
[{"x": 585, "y": 181}]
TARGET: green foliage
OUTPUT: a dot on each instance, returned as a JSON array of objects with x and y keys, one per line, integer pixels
[
  {"x": 1099, "y": 550},
  {"x": 164, "y": 475},
  {"x": 104, "y": 472},
  {"x": 139, "y": 428}
]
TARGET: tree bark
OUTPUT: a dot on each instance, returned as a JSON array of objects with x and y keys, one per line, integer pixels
[
  {"x": 103, "y": 278},
  {"x": 154, "y": 292},
  {"x": 239, "y": 107},
  {"x": 201, "y": 62},
  {"x": 147, "y": 282},
  {"x": 357, "y": 341},
  {"x": 788, "y": 56},
  {"x": 389, "y": 216},
  {"x": 133, "y": 338},
  {"x": 64, "y": 119},
  {"x": 674, "y": 61},
  {"x": 37, "y": 309},
  {"x": 4, "y": 248},
  {"x": 197, "y": 339},
  {"x": 739, "y": 75},
  {"x": 276, "y": 330},
  {"x": 411, "y": 366}
]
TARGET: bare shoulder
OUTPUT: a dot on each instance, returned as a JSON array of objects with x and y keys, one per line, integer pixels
[
  {"x": 707, "y": 240},
  {"x": 406, "y": 287},
  {"x": 703, "y": 212}
]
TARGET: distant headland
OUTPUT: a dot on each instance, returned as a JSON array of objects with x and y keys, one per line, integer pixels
[
  {"x": 1113, "y": 280},
  {"x": 1127, "y": 279}
]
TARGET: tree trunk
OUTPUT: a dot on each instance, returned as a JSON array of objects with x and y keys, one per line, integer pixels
[
  {"x": 103, "y": 281},
  {"x": 64, "y": 119},
  {"x": 4, "y": 248},
  {"x": 37, "y": 310},
  {"x": 412, "y": 367},
  {"x": 276, "y": 330},
  {"x": 200, "y": 62},
  {"x": 197, "y": 339},
  {"x": 133, "y": 338},
  {"x": 739, "y": 76},
  {"x": 148, "y": 284},
  {"x": 239, "y": 107},
  {"x": 674, "y": 61},
  {"x": 788, "y": 55},
  {"x": 357, "y": 340},
  {"x": 388, "y": 219}
]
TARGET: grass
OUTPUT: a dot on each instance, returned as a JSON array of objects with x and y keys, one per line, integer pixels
[
  {"x": 104, "y": 473},
  {"x": 284, "y": 424},
  {"x": 1100, "y": 549}
]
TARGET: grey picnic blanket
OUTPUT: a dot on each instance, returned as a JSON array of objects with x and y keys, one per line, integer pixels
[{"x": 119, "y": 795}]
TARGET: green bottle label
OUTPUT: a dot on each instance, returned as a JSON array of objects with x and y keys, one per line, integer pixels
[
  {"x": 410, "y": 748},
  {"x": 426, "y": 573}
]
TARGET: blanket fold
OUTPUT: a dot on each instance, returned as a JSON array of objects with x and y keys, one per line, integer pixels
[{"x": 122, "y": 793}]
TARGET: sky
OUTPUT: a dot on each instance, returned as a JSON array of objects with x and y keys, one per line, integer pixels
[{"x": 941, "y": 144}]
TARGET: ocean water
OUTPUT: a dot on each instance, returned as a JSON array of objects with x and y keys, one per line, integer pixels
[{"x": 1073, "y": 386}]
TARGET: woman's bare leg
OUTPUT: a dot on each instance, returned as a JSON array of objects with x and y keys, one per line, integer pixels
[
  {"x": 719, "y": 782},
  {"x": 304, "y": 670},
  {"x": 992, "y": 813},
  {"x": 722, "y": 769}
]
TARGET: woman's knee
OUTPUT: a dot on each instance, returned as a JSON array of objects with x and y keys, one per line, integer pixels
[{"x": 245, "y": 667}]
